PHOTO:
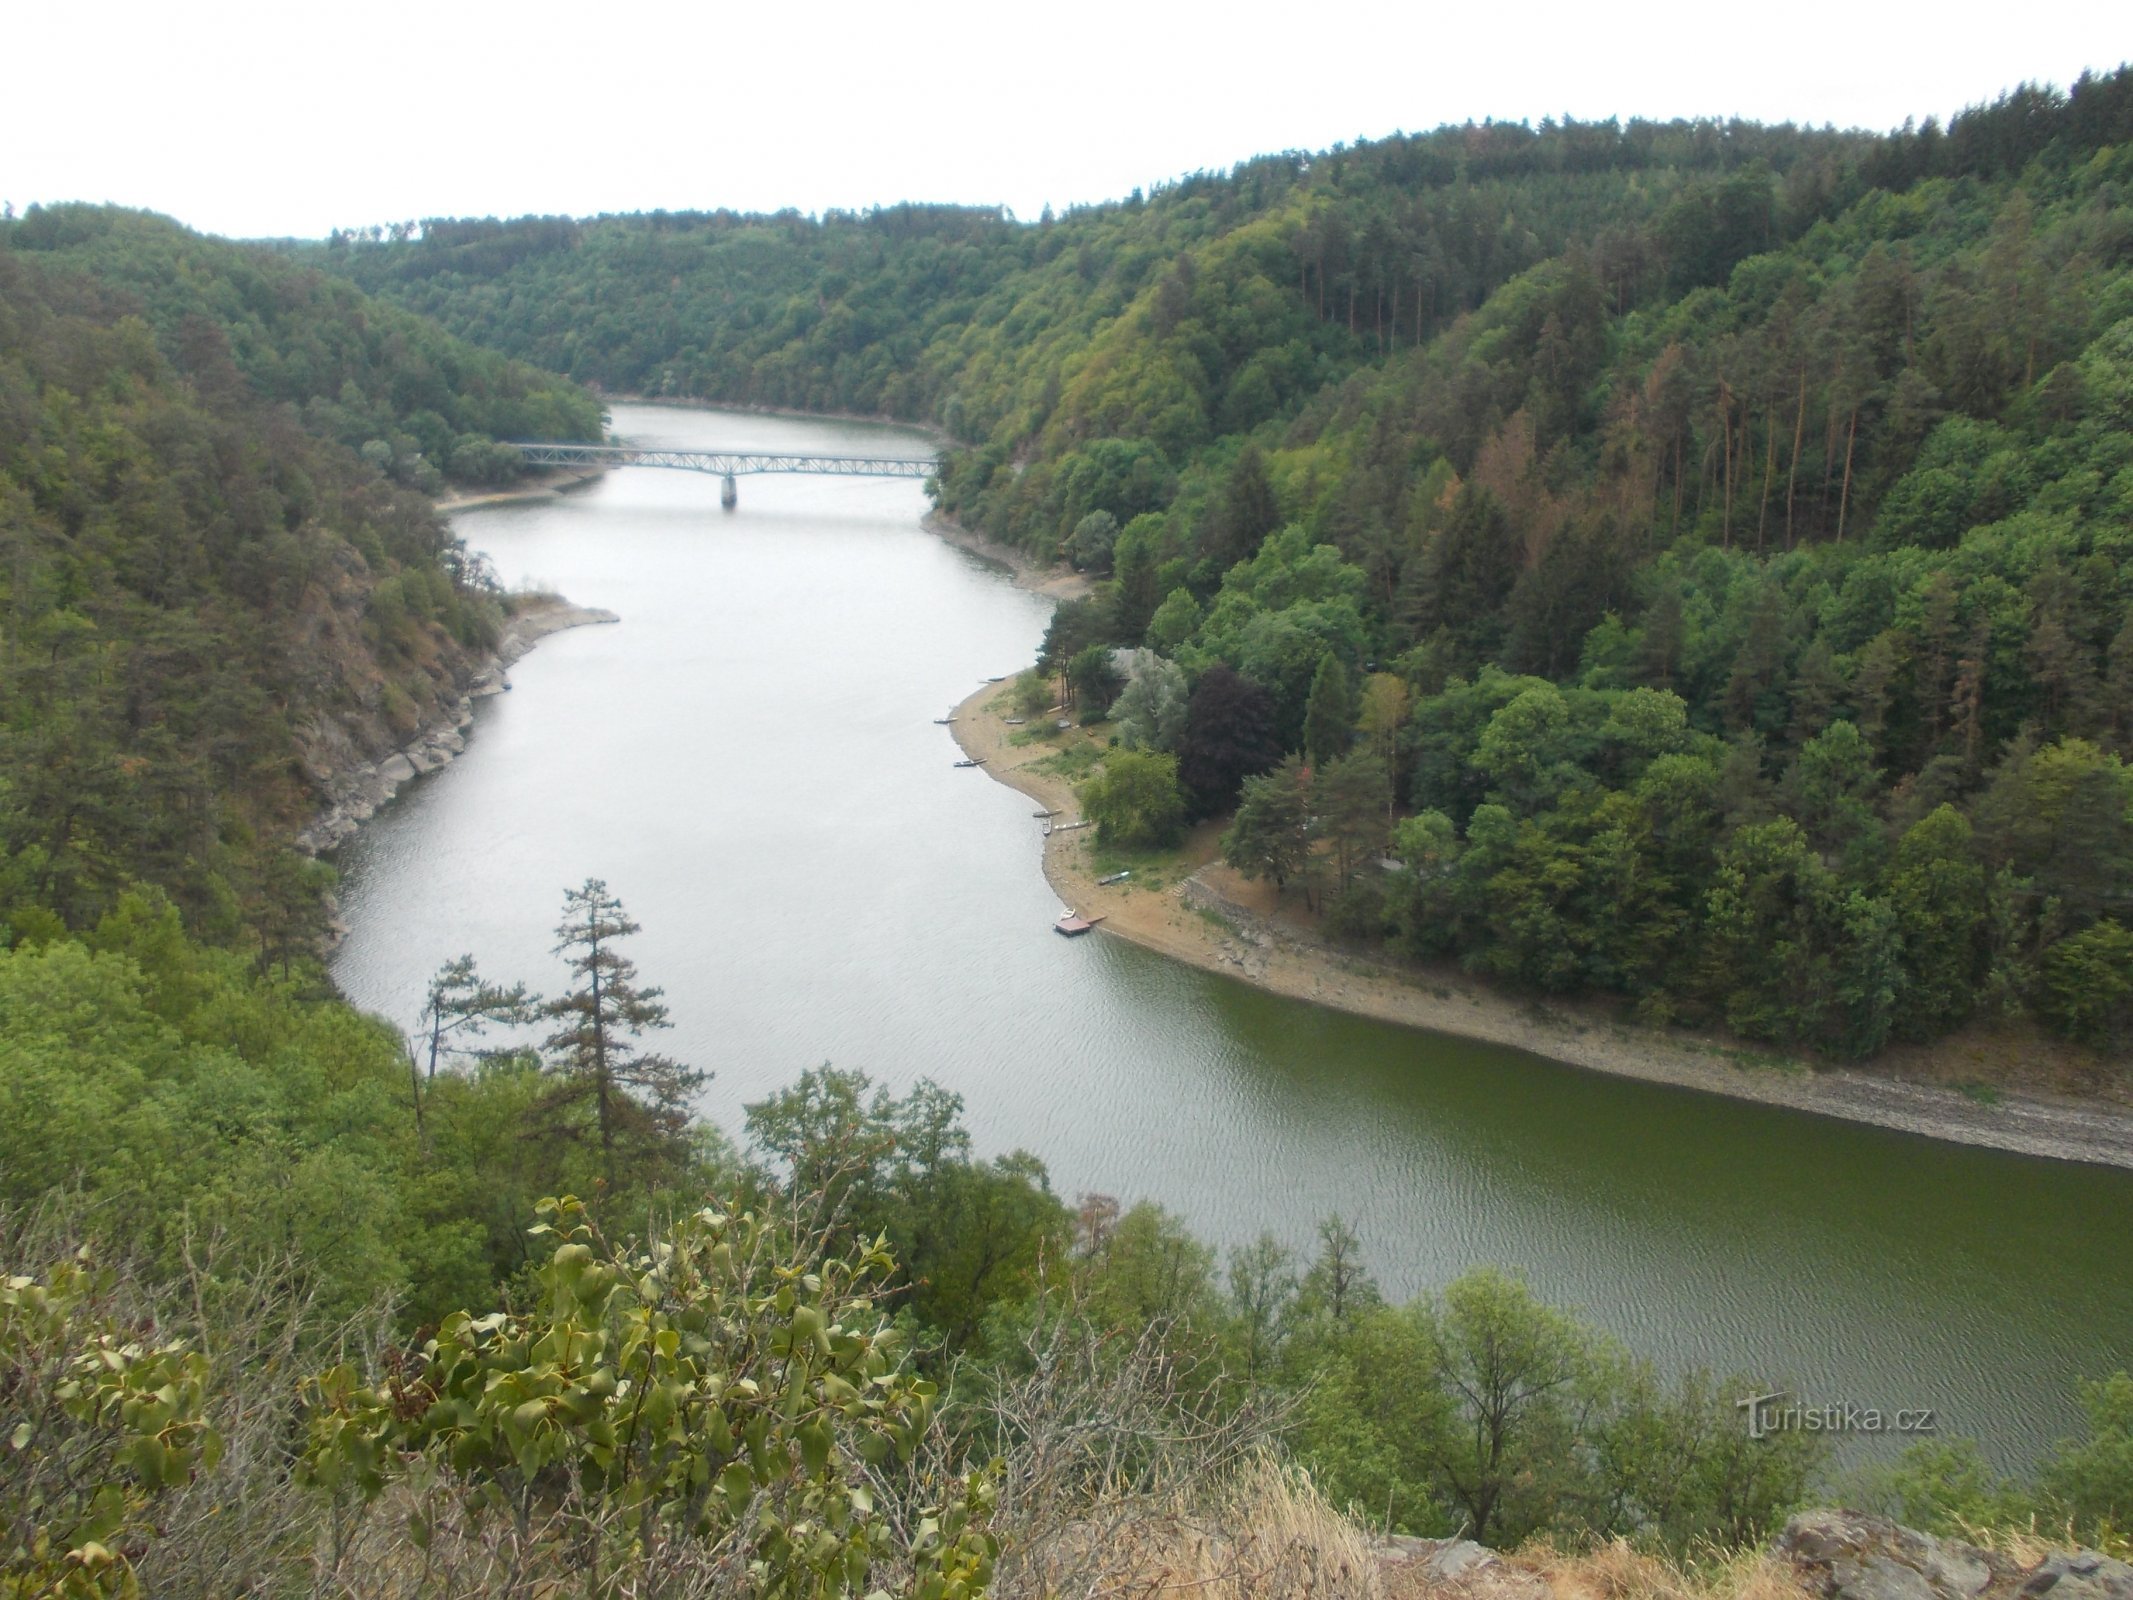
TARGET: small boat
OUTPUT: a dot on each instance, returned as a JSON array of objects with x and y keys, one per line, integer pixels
[
  {"x": 1002, "y": 678},
  {"x": 977, "y": 763},
  {"x": 1016, "y": 722},
  {"x": 1074, "y": 926},
  {"x": 1062, "y": 724},
  {"x": 1044, "y": 813},
  {"x": 1116, "y": 877},
  {"x": 942, "y": 722}
]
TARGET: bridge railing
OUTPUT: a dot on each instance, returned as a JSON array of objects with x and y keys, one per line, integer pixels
[{"x": 725, "y": 463}]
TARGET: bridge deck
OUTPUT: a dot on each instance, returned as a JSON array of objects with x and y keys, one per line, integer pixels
[{"x": 726, "y": 463}]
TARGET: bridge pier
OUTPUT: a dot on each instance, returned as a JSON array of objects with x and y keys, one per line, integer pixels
[{"x": 729, "y": 493}]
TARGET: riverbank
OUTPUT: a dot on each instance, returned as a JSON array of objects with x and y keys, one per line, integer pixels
[
  {"x": 1190, "y": 907},
  {"x": 355, "y": 788},
  {"x": 1051, "y": 581},
  {"x": 535, "y": 486}
]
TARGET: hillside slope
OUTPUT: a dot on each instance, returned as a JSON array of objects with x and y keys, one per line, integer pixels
[{"x": 222, "y": 566}]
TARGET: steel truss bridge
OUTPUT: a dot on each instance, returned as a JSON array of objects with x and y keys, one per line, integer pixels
[{"x": 726, "y": 464}]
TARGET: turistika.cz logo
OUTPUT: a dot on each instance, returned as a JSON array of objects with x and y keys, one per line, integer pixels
[{"x": 1778, "y": 1412}]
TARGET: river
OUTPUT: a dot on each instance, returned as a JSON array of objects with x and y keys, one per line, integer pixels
[{"x": 749, "y": 760}]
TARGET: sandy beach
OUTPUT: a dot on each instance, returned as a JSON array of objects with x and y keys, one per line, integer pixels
[{"x": 1194, "y": 909}]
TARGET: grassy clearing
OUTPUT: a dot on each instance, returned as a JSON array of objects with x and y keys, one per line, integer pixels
[{"x": 1076, "y": 761}]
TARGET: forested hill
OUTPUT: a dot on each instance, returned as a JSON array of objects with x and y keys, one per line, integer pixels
[
  {"x": 218, "y": 543},
  {"x": 1738, "y": 518}
]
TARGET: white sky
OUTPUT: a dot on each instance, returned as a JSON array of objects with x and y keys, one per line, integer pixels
[{"x": 296, "y": 116}]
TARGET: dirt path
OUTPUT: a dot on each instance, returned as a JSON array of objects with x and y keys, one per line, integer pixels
[{"x": 1203, "y": 913}]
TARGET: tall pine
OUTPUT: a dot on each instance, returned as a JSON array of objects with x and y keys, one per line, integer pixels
[{"x": 640, "y": 1102}]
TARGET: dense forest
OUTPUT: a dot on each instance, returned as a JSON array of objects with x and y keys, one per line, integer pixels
[
  {"x": 215, "y": 471},
  {"x": 1711, "y": 537}
]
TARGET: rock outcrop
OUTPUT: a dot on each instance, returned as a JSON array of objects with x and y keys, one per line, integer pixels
[
  {"x": 1845, "y": 1555},
  {"x": 1828, "y": 1555},
  {"x": 354, "y": 789}
]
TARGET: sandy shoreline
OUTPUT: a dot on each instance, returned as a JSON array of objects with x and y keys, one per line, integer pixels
[
  {"x": 541, "y": 486},
  {"x": 1214, "y": 920}
]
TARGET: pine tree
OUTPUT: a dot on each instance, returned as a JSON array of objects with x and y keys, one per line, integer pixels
[
  {"x": 1245, "y": 515},
  {"x": 460, "y": 1003},
  {"x": 638, "y": 1100}
]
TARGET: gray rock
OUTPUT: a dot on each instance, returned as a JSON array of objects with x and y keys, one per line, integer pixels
[
  {"x": 2083, "y": 1575},
  {"x": 1845, "y": 1555},
  {"x": 395, "y": 770}
]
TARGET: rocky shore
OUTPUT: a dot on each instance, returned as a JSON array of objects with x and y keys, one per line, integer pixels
[{"x": 354, "y": 789}]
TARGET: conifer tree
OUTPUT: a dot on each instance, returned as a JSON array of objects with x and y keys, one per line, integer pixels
[
  {"x": 1329, "y": 715},
  {"x": 640, "y": 1101}
]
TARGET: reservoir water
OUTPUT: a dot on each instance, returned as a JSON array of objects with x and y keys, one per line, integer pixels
[{"x": 749, "y": 760}]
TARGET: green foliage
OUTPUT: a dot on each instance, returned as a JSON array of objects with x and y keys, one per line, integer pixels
[
  {"x": 2088, "y": 985},
  {"x": 200, "y": 567},
  {"x": 1033, "y": 693},
  {"x": 99, "y": 1423},
  {"x": 1150, "y": 714},
  {"x": 639, "y": 1101},
  {"x": 1135, "y": 801},
  {"x": 1270, "y": 836},
  {"x": 361, "y": 372},
  {"x": 1485, "y": 1412},
  {"x": 1330, "y": 713},
  {"x": 2089, "y": 1481},
  {"x": 1941, "y": 1486},
  {"x": 970, "y": 1234},
  {"x": 1092, "y": 681},
  {"x": 716, "y": 1386}
]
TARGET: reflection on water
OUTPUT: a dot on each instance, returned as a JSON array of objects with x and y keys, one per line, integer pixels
[{"x": 750, "y": 761}]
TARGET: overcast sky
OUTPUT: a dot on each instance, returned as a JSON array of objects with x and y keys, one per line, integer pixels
[{"x": 302, "y": 115}]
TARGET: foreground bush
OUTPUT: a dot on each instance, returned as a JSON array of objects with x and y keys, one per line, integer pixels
[{"x": 720, "y": 1408}]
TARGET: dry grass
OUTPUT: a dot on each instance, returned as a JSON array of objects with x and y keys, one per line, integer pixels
[
  {"x": 1264, "y": 1534},
  {"x": 1619, "y": 1571}
]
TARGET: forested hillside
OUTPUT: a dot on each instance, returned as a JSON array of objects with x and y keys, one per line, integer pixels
[
  {"x": 1712, "y": 536},
  {"x": 213, "y": 476}
]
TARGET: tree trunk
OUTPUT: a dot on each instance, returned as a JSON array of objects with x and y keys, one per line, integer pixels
[
  {"x": 414, "y": 1079},
  {"x": 600, "y": 1083},
  {"x": 1845, "y": 500},
  {"x": 1725, "y": 424},
  {"x": 1676, "y": 526},
  {"x": 1762, "y": 509},
  {"x": 1829, "y": 460},
  {"x": 1792, "y": 467}
]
